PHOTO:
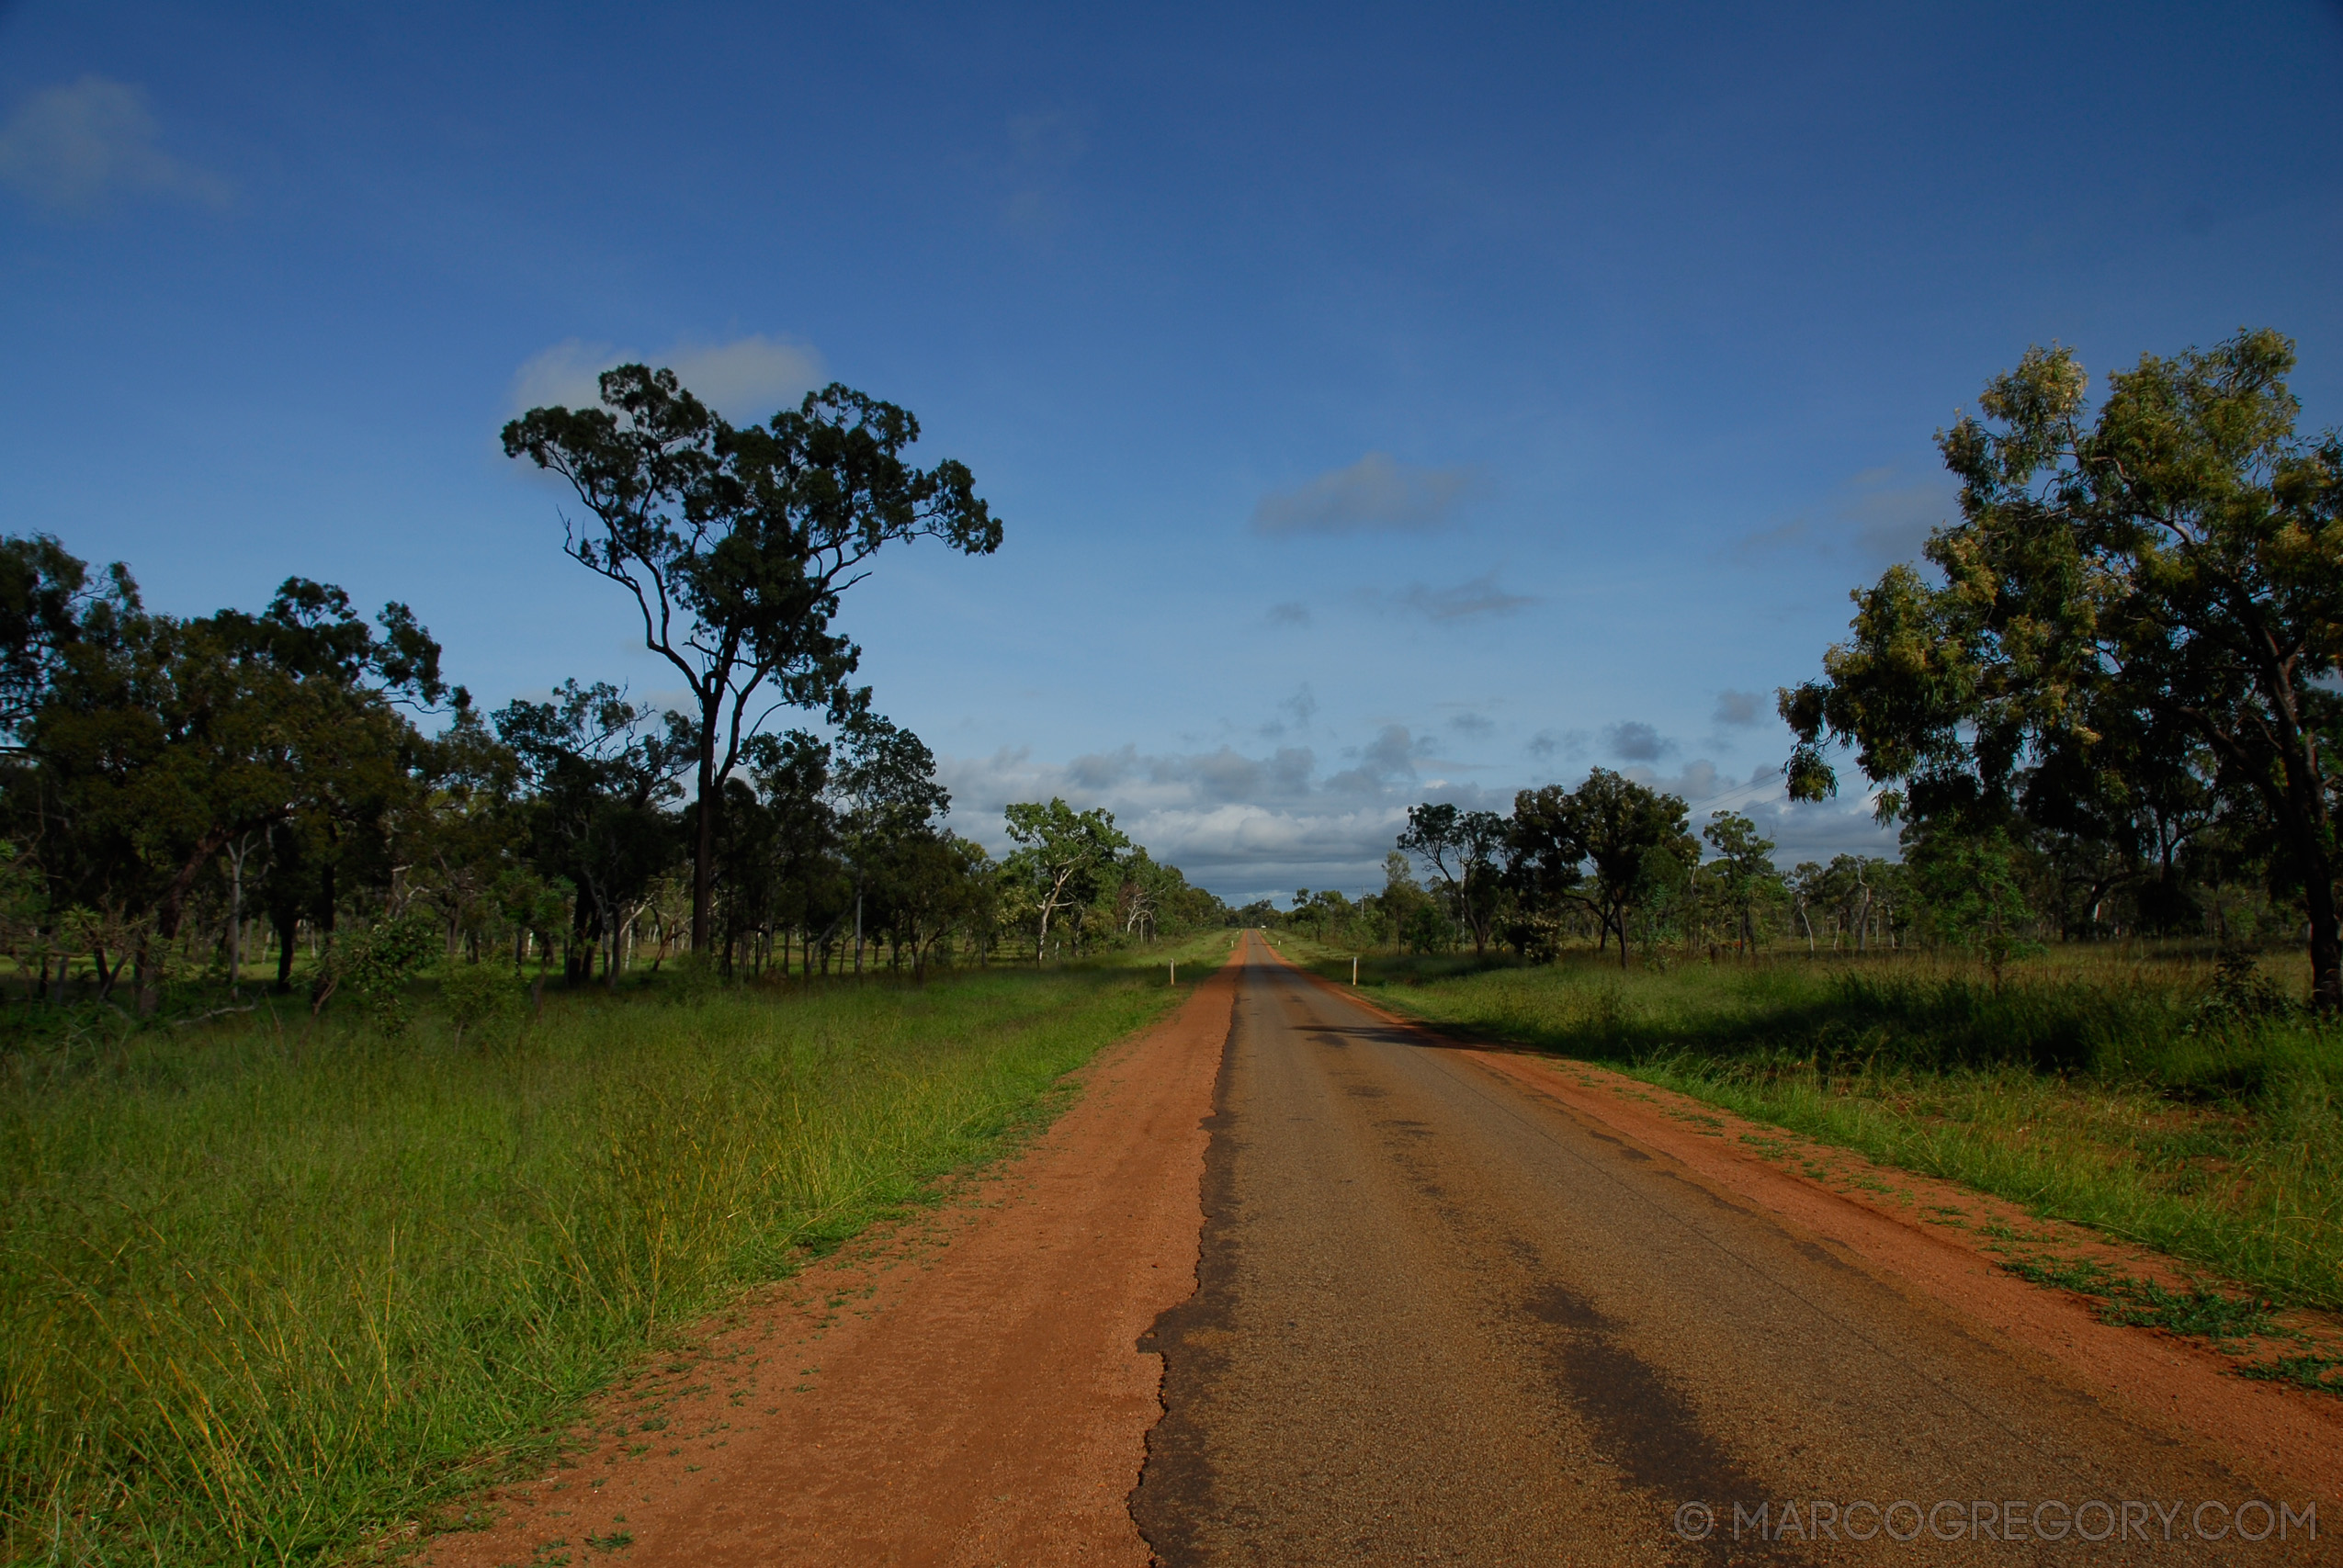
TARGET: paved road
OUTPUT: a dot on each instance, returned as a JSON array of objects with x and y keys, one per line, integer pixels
[{"x": 1440, "y": 1321}]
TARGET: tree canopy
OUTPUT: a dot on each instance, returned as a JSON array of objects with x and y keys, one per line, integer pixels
[
  {"x": 2137, "y": 631},
  {"x": 735, "y": 544}
]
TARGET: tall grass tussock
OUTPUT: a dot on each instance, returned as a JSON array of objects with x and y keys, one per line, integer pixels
[{"x": 267, "y": 1289}]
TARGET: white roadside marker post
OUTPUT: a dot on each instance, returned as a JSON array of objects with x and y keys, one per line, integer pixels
[
  {"x": 1354, "y": 969},
  {"x": 1175, "y": 970}
]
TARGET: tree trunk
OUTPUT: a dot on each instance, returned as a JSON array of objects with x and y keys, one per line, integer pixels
[
  {"x": 144, "y": 997},
  {"x": 236, "y": 853},
  {"x": 2326, "y": 942},
  {"x": 704, "y": 850}
]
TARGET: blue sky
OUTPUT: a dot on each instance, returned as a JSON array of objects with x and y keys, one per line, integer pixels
[{"x": 1384, "y": 402}]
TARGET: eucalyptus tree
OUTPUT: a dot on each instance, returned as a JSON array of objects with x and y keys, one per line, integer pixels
[
  {"x": 2173, "y": 564},
  {"x": 1744, "y": 870},
  {"x": 1062, "y": 857},
  {"x": 884, "y": 779},
  {"x": 1611, "y": 846},
  {"x": 598, "y": 784},
  {"x": 155, "y": 743},
  {"x": 813, "y": 892},
  {"x": 735, "y": 544},
  {"x": 459, "y": 829},
  {"x": 50, "y": 601},
  {"x": 1463, "y": 850}
]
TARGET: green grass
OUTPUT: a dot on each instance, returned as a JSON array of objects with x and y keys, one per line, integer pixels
[
  {"x": 2124, "y": 1299},
  {"x": 266, "y": 1290},
  {"x": 2093, "y": 1086}
]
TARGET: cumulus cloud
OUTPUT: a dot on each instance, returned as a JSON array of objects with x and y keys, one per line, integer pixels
[
  {"x": 1547, "y": 744},
  {"x": 1292, "y": 612},
  {"x": 1465, "y": 600},
  {"x": 1389, "y": 759},
  {"x": 1043, "y": 148},
  {"x": 1737, "y": 707},
  {"x": 1375, "y": 493},
  {"x": 1878, "y": 517},
  {"x": 75, "y": 148},
  {"x": 1472, "y": 724},
  {"x": 1634, "y": 742},
  {"x": 1697, "y": 784},
  {"x": 746, "y": 377}
]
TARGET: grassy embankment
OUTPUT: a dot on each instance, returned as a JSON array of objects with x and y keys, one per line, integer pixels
[
  {"x": 267, "y": 1289},
  {"x": 2094, "y": 1086}
]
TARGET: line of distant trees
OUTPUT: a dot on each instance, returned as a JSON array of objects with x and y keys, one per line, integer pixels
[
  {"x": 182, "y": 799},
  {"x": 1615, "y": 867},
  {"x": 1612, "y": 865}
]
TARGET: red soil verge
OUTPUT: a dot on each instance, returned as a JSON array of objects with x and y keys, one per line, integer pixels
[
  {"x": 964, "y": 1390},
  {"x": 1937, "y": 1239}
]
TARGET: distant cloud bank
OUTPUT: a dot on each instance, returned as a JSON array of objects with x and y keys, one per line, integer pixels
[{"x": 1249, "y": 825}]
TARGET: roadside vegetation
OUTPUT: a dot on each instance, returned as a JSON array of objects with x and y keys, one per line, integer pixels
[{"x": 271, "y": 1284}]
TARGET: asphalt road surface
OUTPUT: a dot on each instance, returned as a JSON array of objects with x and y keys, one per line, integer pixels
[{"x": 1439, "y": 1320}]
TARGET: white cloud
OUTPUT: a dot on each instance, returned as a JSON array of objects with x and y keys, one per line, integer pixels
[
  {"x": 75, "y": 148},
  {"x": 747, "y": 377},
  {"x": 1374, "y": 494},
  {"x": 1044, "y": 147},
  {"x": 1737, "y": 707},
  {"x": 1547, "y": 744},
  {"x": 1480, "y": 596},
  {"x": 752, "y": 372},
  {"x": 1636, "y": 743},
  {"x": 563, "y": 375},
  {"x": 1878, "y": 517}
]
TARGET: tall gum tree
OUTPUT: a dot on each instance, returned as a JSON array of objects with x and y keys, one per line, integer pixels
[
  {"x": 1462, "y": 848},
  {"x": 1061, "y": 854},
  {"x": 735, "y": 544},
  {"x": 2173, "y": 566},
  {"x": 1592, "y": 846}
]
